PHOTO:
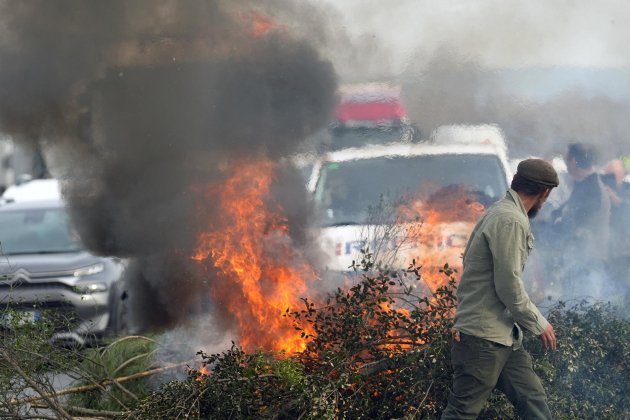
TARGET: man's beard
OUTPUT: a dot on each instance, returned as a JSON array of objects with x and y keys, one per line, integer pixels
[{"x": 534, "y": 210}]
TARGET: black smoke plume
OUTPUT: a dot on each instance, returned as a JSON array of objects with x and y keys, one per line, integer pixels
[{"x": 142, "y": 100}]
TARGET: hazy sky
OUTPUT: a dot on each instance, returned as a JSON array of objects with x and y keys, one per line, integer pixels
[{"x": 496, "y": 33}]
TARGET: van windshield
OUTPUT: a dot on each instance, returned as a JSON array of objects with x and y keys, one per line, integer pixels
[
  {"x": 344, "y": 137},
  {"x": 348, "y": 191},
  {"x": 37, "y": 231}
]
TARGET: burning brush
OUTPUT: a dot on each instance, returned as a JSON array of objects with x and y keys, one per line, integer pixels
[{"x": 247, "y": 248}]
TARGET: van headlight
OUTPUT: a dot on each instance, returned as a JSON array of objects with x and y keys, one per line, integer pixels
[{"x": 89, "y": 270}]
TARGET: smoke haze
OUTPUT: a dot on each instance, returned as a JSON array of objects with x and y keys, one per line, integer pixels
[
  {"x": 452, "y": 90},
  {"x": 141, "y": 101},
  {"x": 506, "y": 62}
]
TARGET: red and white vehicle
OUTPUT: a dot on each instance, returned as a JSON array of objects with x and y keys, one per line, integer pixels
[{"x": 370, "y": 114}]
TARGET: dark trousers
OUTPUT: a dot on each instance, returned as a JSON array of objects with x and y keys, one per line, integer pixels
[{"x": 480, "y": 366}]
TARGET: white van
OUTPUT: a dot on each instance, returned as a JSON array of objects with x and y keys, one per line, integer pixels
[
  {"x": 470, "y": 134},
  {"x": 378, "y": 196}
]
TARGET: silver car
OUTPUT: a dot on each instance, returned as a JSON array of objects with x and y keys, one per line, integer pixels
[{"x": 45, "y": 271}]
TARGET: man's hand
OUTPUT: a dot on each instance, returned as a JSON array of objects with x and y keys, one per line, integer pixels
[{"x": 548, "y": 338}]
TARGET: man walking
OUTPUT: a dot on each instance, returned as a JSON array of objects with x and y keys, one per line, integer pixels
[{"x": 493, "y": 305}]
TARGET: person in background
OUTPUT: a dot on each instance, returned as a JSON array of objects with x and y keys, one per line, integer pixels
[
  {"x": 493, "y": 306},
  {"x": 612, "y": 175},
  {"x": 582, "y": 226}
]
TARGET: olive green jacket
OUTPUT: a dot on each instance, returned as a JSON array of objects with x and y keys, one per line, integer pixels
[{"x": 491, "y": 298}]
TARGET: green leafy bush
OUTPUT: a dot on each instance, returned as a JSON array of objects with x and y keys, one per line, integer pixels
[
  {"x": 376, "y": 350},
  {"x": 30, "y": 364},
  {"x": 29, "y": 361},
  {"x": 379, "y": 349},
  {"x": 381, "y": 346},
  {"x": 588, "y": 375}
]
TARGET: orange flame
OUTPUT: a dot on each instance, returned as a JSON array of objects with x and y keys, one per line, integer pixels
[
  {"x": 259, "y": 24},
  {"x": 438, "y": 227},
  {"x": 203, "y": 371},
  {"x": 261, "y": 274}
]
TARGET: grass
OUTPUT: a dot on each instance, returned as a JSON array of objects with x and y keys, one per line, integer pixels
[{"x": 123, "y": 357}]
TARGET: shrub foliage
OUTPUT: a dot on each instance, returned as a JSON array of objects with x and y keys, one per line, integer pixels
[
  {"x": 377, "y": 349},
  {"x": 374, "y": 350},
  {"x": 381, "y": 349}
]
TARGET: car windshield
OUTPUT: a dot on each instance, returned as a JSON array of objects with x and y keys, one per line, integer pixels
[
  {"x": 344, "y": 137},
  {"x": 37, "y": 231},
  {"x": 347, "y": 191}
]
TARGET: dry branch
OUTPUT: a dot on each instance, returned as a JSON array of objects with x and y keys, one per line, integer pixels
[
  {"x": 90, "y": 412},
  {"x": 48, "y": 397},
  {"x": 85, "y": 388},
  {"x": 373, "y": 368},
  {"x": 78, "y": 410}
]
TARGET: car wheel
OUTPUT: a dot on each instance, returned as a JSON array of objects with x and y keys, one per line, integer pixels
[{"x": 118, "y": 313}]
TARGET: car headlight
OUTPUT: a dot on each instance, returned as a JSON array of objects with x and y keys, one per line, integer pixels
[
  {"x": 90, "y": 270},
  {"x": 92, "y": 287}
]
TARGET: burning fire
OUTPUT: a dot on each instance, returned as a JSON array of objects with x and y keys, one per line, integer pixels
[
  {"x": 259, "y": 275},
  {"x": 438, "y": 228},
  {"x": 259, "y": 24}
]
